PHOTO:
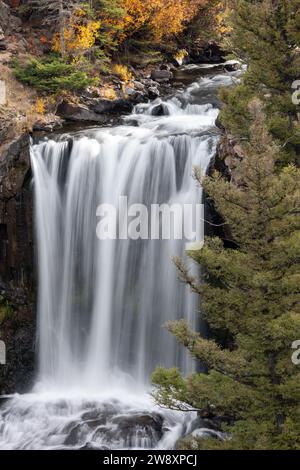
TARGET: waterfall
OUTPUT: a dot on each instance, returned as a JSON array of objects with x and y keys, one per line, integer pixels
[{"x": 102, "y": 304}]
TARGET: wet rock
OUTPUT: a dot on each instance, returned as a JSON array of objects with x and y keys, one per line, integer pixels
[
  {"x": 232, "y": 66},
  {"x": 135, "y": 96},
  {"x": 203, "y": 423},
  {"x": 118, "y": 106},
  {"x": 142, "y": 426},
  {"x": 112, "y": 426},
  {"x": 78, "y": 112},
  {"x": 77, "y": 435},
  {"x": 90, "y": 415},
  {"x": 160, "y": 110},
  {"x": 153, "y": 93}
]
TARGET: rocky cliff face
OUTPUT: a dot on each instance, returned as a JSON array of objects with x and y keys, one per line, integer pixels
[{"x": 17, "y": 317}]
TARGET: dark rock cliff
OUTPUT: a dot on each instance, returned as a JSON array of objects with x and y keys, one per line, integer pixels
[{"x": 17, "y": 311}]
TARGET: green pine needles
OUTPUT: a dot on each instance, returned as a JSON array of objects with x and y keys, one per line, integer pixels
[
  {"x": 51, "y": 74},
  {"x": 266, "y": 37},
  {"x": 250, "y": 295},
  {"x": 253, "y": 294}
]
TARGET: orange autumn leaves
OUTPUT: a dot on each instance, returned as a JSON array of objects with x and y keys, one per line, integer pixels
[{"x": 154, "y": 20}]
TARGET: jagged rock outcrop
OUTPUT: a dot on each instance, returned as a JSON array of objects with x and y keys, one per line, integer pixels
[
  {"x": 229, "y": 155},
  {"x": 4, "y": 15},
  {"x": 226, "y": 161},
  {"x": 16, "y": 213},
  {"x": 8, "y": 22}
]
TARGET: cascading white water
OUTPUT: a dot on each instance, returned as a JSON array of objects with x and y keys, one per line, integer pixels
[{"x": 102, "y": 304}]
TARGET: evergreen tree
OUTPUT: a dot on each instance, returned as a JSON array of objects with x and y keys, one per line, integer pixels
[
  {"x": 111, "y": 14},
  {"x": 52, "y": 74},
  {"x": 266, "y": 36},
  {"x": 251, "y": 295}
]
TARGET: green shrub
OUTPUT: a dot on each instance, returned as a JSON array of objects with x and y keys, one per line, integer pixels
[{"x": 51, "y": 74}]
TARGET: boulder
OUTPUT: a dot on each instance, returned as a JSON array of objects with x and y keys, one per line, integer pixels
[
  {"x": 78, "y": 113},
  {"x": 47, "y": 126},
  {"x": 139, "y": 85},
  {"x": 160, "y": 110},
  {"x": 149, "y": 82},
  {"x": 151, "y": 423},
  {"x": 232, "y": 65},
  {"x": 153, "y": 92},
  {"x": 161, "y": 75},
  {"x": 118, "y": 106},
  {"x": 135, "y": 96},
  {"x": 111, "y": 424}
]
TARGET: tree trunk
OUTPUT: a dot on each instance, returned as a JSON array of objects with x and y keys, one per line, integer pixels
[{"x": 62, "y": 28}]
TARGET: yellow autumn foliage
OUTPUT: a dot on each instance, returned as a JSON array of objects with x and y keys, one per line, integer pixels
[
  {"x": 162, "y": 17},
  {"x": 79, "y": 35},
  {"x": 180, "y": 55},
  {"x": 39, "y": 106},
  {"x": 108, "y": 92},
  {"x": 122, "y": 72}
]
